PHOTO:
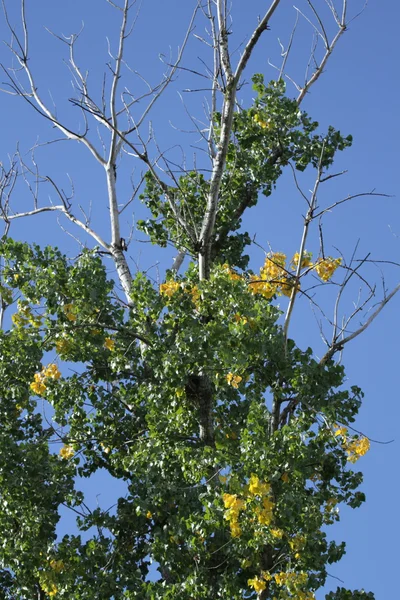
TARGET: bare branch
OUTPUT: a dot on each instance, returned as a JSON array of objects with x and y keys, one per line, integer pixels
[
  {"x": 339, "y": 344},
  {"x": 223, "y": 40},
  {"x": 114, "y": 85},
  {"x": 308, "y": 218},
  {"x": 285, "y": 53},
  {"x": 329, "y": 49},
  {"x": 178, "y": 260},
  {"x": 324, "y": 35},
  {"x": 262, "y": 26},
  {"x": 350, "y": 197},
  {"x": 211, "y": 145},
  {"x": 37, "y": 102},
  {"x": 168, "y": 78}
]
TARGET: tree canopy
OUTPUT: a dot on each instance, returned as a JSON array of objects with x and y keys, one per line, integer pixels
[{"x": 236, "y": 447}]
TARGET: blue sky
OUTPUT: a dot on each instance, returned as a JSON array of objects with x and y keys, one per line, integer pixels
[{"x": 357, "y": 94}]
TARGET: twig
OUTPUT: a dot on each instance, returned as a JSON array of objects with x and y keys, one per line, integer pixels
[{"x": 339, "y": 345}]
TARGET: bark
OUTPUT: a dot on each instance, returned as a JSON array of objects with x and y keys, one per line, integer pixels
[{"x": 200, "y": 391}]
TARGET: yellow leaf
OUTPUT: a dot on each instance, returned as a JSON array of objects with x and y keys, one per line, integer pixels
[{"x": 109, "y": 344}]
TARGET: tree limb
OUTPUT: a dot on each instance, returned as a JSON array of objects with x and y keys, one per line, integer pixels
[{"x": 338, "y": 345}]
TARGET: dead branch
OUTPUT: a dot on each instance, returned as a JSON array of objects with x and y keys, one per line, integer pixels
[
  {"x": 307, "y": 220},
  {"x": 338, "y": 345}
]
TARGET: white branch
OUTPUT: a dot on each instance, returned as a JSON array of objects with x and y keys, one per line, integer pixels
[
  {"x": 338, "y": 346},
  {"x": 307, "y": 220},
  {"x": 232, "y": 81},
  {"x": 329, "y": 49},
  {"x": 114, "y": 86},
  {"x": 223, "y": 40},
  {"x": 167, "y": 80},
  {"x": 22, "y": 58},
  {"x": 60, "y": 208},
  {"x": 262, "y": 26},
  {"x": 178, "y": 260}
]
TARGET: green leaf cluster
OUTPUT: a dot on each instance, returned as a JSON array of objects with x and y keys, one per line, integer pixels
[
  {"x": 265, "y": 138},
  {"x": 184, "y": 397}
]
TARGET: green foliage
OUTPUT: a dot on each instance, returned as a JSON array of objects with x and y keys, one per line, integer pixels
[
  {"x": 233, "y": 445},
  {"x": 265, "y": 137},
  {"x": 131, "y": 409},
  {"x": 342, "y": 594}
]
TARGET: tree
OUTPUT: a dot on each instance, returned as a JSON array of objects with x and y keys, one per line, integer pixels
[{"x": 235, "y": 445}]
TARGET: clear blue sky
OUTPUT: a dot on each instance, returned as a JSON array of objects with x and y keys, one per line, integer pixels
[{"x": 357, "y": 94}]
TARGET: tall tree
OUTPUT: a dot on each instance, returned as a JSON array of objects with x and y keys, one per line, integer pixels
[{"x": 235, "y": 446}]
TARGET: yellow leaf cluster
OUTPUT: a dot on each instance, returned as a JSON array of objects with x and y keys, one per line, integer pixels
[
  {"x": 47, "y": 579},
  {"x": 67, "y": 452},
  {"x": 325, "y": 267},
  {"x": 330, "y": 505},
  {"x": 258, "y": 584},
  {"x": 70, "y": 312},
  {"x": 49, "y": 587},
  {"x": 106, "y": 449},
  {"x": 25, "y": 316},
  {"x": 274, "y": 266},
  {"x": 169, "y": 288},
  {"x": 355, "y": 447},
  {"x": 195, "y": 293},
  {"x": 265, "y": 124},
  {"x": 261, "y": 489},
  {"x": 235, "y": 529},
  {"x": 297, "y": 542},
  {"x": 273, "y": 278},
  {"x": 277, "y": 533},
  {"x": 342, "y": 431},
  {"x": 57, "y": 566},
  {"x": 234, "y": 505},
  {"x": 109, "y": 344},
  {"x": 240, "y": 318},
  {"x": 257, "y": 487},
  {"x": 294, "y": 581},
  {"x": 233, "y": 380},
  {"x": 51, "y": 372},
  {"x": 287, "y": 285},
  {"x": 63, "y": 346},
  {"x": 38, "y": 384},
  {"x": 263, "y": 512},
  {"x": 231, "y": 273},
  {"x": 258, "y": 286},
  {"x": 305, "y": 261}
]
